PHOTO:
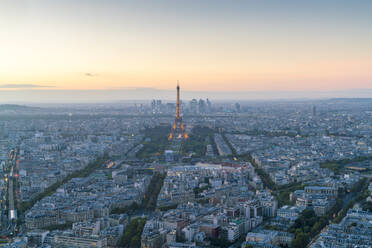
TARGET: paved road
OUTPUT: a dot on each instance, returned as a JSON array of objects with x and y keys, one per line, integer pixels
[
  {"x": 12, "y": 178},
  {"x": 12, "y": 214},
  {"x": 11, "y": 195},
  {"x": 348, "y": 198}
]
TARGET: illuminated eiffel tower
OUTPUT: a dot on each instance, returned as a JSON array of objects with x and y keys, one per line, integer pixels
[{"x": 178, "y": 129}]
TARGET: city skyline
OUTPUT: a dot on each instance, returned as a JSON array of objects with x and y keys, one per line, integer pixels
[
  {"x": 185, "y": 123},
  {"x": 48, "y": 96},
  {"x": 218, "y": 46}
]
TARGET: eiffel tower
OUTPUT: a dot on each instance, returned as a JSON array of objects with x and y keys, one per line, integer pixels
[{"x": 178, "y": 129}]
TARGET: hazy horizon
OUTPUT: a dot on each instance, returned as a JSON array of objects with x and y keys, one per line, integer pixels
[{"x": 146, "y": 94}]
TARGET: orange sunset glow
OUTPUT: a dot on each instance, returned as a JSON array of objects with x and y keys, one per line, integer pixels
[{"x": 210, "y": 45}]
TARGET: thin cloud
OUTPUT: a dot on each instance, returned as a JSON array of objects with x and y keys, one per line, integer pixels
[
  {"x": 89, "y": 74},
  {"x": 23, "y": 86}
]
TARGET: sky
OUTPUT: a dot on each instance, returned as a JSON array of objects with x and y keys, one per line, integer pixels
[{"x": 209, "y": 46}]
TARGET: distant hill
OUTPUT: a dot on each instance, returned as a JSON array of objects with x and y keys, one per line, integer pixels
[
  {"x": 352, "y": 99},
  {"x": 4, "y": 107}
]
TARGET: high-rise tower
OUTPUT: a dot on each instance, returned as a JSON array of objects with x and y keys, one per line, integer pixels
[{"x": 178, "y": 129}]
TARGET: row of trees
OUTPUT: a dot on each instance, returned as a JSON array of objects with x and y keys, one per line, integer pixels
[
  {"x": 86, "y": 171},
  {"x": 337, "y": 165},
  {"x": 157, "y": 141},
  {"x": 198, "y": 141},
  {"x": 169, "y": 207},
  {"x": 198, "y": 190},
  {"x": 132, "y": 234},
  {"x": 127, "y": 209},
  {"x": 151, "y": 196},
  {"x": 305, "y": 227},
  {"x": 367, "y": 206},
  {"x": 67, "y": 225},
  {"x": 263, "y": 175},
  {"x": 308, "y": 225},
  {"x": 283, "y": 192},
  {"x": 362, "y": 188},
  {"x": 233, "y": 151}
]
